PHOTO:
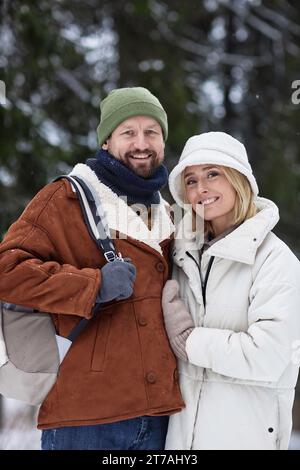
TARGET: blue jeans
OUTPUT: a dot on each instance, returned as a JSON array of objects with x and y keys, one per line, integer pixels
[{"x": 143, "y": 433}]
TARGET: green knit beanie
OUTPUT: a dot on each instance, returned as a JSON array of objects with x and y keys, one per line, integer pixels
[{"x": 123, "y": 103}]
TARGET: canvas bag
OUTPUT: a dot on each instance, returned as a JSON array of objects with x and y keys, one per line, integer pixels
[{"x": 30, "y": 350}]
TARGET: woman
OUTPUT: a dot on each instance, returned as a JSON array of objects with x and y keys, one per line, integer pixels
[{"x": 232, "y": 312}]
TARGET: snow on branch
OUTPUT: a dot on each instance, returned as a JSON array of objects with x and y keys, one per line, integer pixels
[
  {"x": 279, "y": 19},
  {"x": 73, "y": 83},
  {"x": 264, "y": 28},
  {"x": 224, "y": 57}
]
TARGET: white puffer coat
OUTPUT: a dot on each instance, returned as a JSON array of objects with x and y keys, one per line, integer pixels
[{"x": 238, "y": 385}]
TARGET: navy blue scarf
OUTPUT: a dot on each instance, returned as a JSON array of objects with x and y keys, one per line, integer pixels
[{"x": 124, "y": 182}]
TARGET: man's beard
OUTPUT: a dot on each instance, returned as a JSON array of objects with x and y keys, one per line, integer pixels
[{"x": 145, "y": 169}]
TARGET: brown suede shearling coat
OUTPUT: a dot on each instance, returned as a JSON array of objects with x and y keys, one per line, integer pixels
[{"x": 121, "y": 365}]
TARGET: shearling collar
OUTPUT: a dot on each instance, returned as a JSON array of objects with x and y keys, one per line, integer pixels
[
  {"x": 123, "y": 219},
  {"x": 240, "y": 245}
]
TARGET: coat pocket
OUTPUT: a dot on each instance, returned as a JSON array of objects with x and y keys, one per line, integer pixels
[{"x": 101, "y": 341}]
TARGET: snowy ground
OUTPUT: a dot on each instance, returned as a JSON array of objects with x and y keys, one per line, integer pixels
[
  {"x": 18, "y": 431},
  {"x": 295, "y": 441}
]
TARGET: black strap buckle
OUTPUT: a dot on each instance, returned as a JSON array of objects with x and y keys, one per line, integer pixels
[{"x": 110, "y": 256}]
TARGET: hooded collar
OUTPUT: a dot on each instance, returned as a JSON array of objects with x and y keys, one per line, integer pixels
[{"x": 239, "y": 245}]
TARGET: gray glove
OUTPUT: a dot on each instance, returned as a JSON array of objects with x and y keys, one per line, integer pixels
[
  {"x": 178, "y": 321},
  {"x": 117, "y": 281}
]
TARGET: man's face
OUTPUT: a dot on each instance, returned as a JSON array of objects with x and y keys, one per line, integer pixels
[{"x": 138, "y": 143}]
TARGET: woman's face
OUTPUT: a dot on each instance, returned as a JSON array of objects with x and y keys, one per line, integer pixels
[{"x": 211, "y": 195}]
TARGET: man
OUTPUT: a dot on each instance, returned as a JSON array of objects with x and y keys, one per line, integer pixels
[{"x": 118, "y": 383}]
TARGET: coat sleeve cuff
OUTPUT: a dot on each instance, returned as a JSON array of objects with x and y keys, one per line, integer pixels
[{"x": 201, "y": 345}]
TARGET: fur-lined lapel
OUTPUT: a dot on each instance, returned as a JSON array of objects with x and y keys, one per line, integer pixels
[{"x": 121, "y": 218}]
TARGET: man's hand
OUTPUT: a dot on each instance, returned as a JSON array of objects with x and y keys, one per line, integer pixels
[
  {"x": 178, "y": 321},
  {"x": 117, "y": 281}
]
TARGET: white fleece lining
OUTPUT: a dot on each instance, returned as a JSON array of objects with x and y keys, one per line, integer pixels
[{"x": 121, "y": 218}]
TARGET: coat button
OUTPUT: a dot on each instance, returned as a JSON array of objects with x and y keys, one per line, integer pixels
[
  {"x": 142, "y": 321},
  {"x": 151, "y": 377},
  {"x": 176, "y": 375},
  {"x": 160, "y": 267}
]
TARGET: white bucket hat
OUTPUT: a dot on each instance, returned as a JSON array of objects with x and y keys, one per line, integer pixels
[{"x": 216, "y": 148}]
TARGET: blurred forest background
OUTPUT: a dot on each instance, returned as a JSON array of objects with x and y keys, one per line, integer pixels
[{"x": 214, "y": 64}]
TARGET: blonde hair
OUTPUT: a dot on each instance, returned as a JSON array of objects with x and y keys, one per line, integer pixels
[{"x": 244, "y": 207}]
